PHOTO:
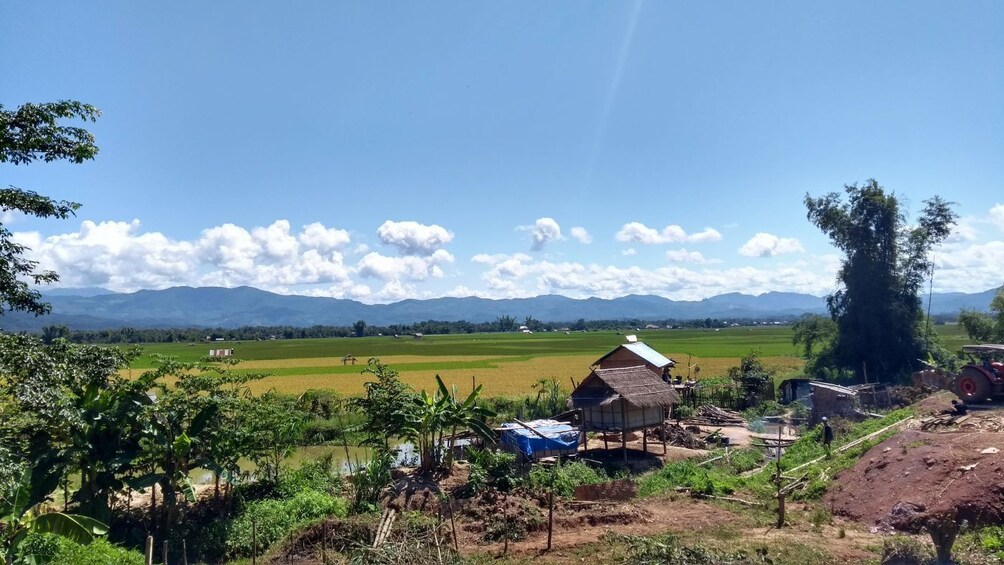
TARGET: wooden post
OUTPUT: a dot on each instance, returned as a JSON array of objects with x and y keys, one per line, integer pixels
[
  {"x": 453, "y": 527},
  {"x": 780, "y": 494},
  {"x": 864, "y": 369},
  {"x": 644, "y": 433},
  {"x": 550, "y": 509},
  {"x": 505, "y": 525},
  {"x": 184, "y": 552},
  {"x": 254, "y": 543},
  {"x": 624, "y": 428},
  {"x": 163, "y": 552},
  {"x": 148, "y": 553}
]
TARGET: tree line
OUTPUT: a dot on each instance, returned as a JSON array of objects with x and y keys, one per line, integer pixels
[{"x": 362, "y": 329}]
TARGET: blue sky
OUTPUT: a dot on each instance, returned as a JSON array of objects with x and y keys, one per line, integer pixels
[{"x": 389, "y": 150}]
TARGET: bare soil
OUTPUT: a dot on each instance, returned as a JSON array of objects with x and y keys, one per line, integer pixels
[{"x": 918, "y": 474}]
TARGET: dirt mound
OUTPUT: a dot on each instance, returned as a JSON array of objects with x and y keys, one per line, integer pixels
[
  {"x": 917, "y": 474},
  {"x": 572, "y": 515},
  {"x": 335, "y": 534}
]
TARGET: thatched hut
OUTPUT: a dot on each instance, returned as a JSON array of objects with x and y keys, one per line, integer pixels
[{"x": 623, "y": 399}]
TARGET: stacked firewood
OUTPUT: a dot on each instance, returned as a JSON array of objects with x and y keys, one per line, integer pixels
[{"x": 711, "y": 415}]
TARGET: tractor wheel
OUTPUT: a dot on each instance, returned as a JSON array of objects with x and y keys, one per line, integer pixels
[{"x": 972, "y": 386}]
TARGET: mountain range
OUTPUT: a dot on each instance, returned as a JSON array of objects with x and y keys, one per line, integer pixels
[{"x": 213, "y": 307}]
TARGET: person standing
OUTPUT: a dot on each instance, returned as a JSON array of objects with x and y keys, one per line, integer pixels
[{"x": 827, "y": 436}]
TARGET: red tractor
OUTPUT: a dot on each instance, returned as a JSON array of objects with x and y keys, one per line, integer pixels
[{"x": 983, "y": 378}]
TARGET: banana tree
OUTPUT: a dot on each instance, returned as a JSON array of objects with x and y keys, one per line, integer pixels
[
  {"x": 22, "y": 514},
  {"x": 441, "y": 412},
  {"x": 467, "y": 414}
]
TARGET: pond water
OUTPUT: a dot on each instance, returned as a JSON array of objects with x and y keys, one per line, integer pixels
[{"x": 346, "y": 459}]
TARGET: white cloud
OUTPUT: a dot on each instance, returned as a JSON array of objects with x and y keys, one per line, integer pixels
[
  {"x": 965, "y": 230},
  {"x": 969, "y": 268},
  {"x": 581, "y": 235},
  {"x": 411, "y": 267},
  {"x": 522, "y": 277},
  {"x": 542, "y": 232},
  {"x": 637, "y": 232},
  {"x": 629, "y": 252},
  {"x": 684, "y": 256},
  {"x": 413, "y": 238},
  {"x": 317, "y": 236},
  {"x": 120, "y": 256},
  {"x": 707, "y": 234},
  {"x": 767, "y": 245},
  {"x": 997, "y": 216}
]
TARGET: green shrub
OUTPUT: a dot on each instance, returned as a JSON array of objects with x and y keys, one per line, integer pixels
[
  {"x": 690, "y": 475},
  {"x": 492, "y": 469},
  {"x": 49, "y": 548},
  {"x": 682, "y": 412},
  {"x": 668, "y": 549},
  {"x": 368, "y": 483},
  {"x": 275, "y": 519},
  {"x": 766, "y": 408},
  {"x": 317, "y": 474},
  {"x": 798, "y": 410},
  {"x": 747, "y": 459},
  {"x": 565, "y": 477}
]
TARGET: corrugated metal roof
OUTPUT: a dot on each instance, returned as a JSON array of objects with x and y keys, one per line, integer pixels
[
  {"x": 648, "y": 354},
  {"x": 833, "y": 387}
]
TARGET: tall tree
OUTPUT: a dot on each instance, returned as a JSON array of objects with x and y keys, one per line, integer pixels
[
  {"x": 877, "y": 308},
  {"x": 30, "y": 133}
]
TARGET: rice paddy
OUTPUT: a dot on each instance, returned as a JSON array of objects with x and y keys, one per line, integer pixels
[{"x": 505, "y": 364}]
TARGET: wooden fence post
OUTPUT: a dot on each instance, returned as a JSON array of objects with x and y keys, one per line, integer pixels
[
  {"x": 148, "y": 554},
  {"x": 254, "y": 543},
  {"x": 550, "y": 515},
  {"x": 505, "y": 525},
  {"x": 163, "y": 553}
]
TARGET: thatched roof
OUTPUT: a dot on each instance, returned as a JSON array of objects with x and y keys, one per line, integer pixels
[{"x": 639, "y": 386}]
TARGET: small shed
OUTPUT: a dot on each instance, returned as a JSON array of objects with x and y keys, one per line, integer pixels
[
  {"x": 829, "y": 399},
  {"x": 623, "y": 399},
  {"x": 795, "y": 389},
  {"x": 633, "y": 354}
]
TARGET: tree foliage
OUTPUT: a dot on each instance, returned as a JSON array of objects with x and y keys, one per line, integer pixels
[
  {"x": 33, "y": 132},
  {"x": 751, "y": 375},
  {"x": 984, "y": 328},
  {"x": 815, "y": 334},
  {"x": 877, "y": 308}
]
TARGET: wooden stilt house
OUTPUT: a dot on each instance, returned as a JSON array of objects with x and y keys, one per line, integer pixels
[{"x": 623, "y": 399}]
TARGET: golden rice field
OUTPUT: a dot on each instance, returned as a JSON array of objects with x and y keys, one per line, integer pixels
[{"x": 500, "y": 376}]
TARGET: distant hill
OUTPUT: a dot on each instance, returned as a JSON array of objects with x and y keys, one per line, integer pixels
[{"x": 186, "y": 307}]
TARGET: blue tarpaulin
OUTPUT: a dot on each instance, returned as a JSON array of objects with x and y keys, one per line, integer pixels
[{"x": 561, "y": 438}]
